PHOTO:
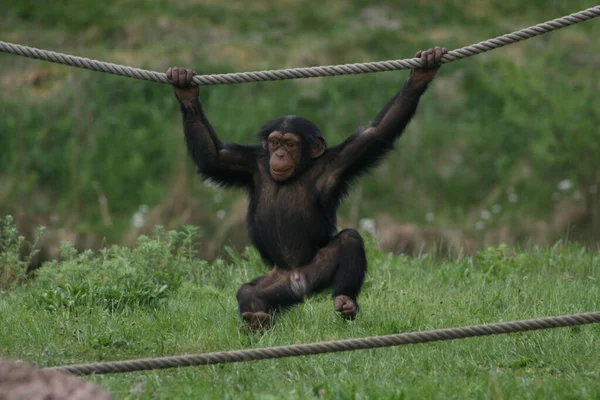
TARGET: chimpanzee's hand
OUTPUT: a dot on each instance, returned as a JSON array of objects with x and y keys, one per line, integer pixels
[
  {"x": 430, "y": 61},
  {"x": 181, "y": 79}
]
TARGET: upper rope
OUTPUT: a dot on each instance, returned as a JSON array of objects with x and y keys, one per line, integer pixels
[{"x": 309, "y": 72}]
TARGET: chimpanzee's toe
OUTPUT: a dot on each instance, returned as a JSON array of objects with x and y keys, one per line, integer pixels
[
  {"x": 345, "y": 306},
  {"x": 257, "y": 320}
]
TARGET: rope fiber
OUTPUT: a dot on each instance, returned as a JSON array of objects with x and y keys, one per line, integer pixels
[
  {"x": 308, "y": 72},
  {"x": 332, "y": 346}
]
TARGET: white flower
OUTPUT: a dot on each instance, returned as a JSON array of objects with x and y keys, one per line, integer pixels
[
  {"x": 480, "y": 225},
  {"x": 429, "y": 216},
  {"x": 513, "y": 198},
  {"x": 496, "y": 208},
  {"x": 565, "y": 185},
  {"x": 367, "y": 225},
  {"x": 138, "y": 220},
  {"x": 221, "y": 214},
  {"x": 485, "y": 214}
]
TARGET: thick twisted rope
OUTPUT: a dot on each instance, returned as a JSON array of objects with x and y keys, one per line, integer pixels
[
  {"x": 332, "y": 346},
  {"x": 309, "y": 72}
]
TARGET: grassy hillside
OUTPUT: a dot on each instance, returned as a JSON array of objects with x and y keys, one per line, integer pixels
[{"x": 502, "y": 142}]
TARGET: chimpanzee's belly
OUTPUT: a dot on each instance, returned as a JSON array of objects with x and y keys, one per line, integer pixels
[{"x": 289, "y": 225}]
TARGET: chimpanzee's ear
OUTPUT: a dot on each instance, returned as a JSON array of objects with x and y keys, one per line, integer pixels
[
  {"x": 318, "y": 148},
  {"x": 265, "y": 145}
]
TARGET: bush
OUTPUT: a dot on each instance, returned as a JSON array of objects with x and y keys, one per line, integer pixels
[
  {"x": 118, "y": 278},
  {"x": 13, "y": 267}
]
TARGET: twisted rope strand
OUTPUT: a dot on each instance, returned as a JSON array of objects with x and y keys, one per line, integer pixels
[
  {"x": 308, "y": 72},
  {"x": 332, "y": 346}
]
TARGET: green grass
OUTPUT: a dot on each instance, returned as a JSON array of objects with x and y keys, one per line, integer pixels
[{"x": 158, "y": 299}]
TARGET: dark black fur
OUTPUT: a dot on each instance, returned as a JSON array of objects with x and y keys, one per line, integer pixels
[{"x": 292, "y": 224}]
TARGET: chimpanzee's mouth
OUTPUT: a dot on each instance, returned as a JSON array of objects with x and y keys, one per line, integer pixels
[{"x": 280, "y": 172}]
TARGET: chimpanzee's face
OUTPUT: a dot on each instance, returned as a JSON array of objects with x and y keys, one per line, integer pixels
[{"x": 285, "y": 154}]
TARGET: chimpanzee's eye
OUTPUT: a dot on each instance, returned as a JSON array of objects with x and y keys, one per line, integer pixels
[{"x": 290, "y": 145}]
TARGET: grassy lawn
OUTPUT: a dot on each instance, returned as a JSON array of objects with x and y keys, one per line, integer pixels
[{"x": 158, "y": 299}]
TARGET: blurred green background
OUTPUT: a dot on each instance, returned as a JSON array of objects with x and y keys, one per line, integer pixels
[{"x": 504, "y": 147}]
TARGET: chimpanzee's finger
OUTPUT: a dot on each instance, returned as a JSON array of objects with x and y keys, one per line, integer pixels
[
  {"x": 174, "y": 72},
  {"x": 418, "y": 55},
  {"x": 175, "y": 76},
  {"x": 170, "y": 73},
  {"x": 424, "y": 59},
  {"x": 182, "y": 76},
  {"x": 430, "y": 58},
  {"x": 189, "y": 76},
  {"x": 438, "y": 55}
]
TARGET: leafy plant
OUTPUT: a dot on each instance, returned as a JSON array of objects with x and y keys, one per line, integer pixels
[
  {"x": 117, "y": 278},
  {"x": 13, "y": 267}
]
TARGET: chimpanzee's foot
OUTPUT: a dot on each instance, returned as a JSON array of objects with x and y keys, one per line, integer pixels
[
  {"x": 345, "y": 306},
  {"x": 258, "y": 320}
]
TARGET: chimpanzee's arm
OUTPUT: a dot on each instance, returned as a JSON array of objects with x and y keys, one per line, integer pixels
[
  {"x": 363, "y": 150},
  {"x": 225, "y": 164}
]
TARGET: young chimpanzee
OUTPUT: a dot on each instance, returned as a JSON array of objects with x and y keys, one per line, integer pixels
[{"x": 295, "y": 184}]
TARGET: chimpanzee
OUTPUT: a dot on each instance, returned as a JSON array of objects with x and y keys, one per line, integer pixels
[{"x": 295, "y": 184}]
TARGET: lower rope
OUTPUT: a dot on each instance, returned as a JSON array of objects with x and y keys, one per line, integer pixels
[{"x": 332, "y": 346}]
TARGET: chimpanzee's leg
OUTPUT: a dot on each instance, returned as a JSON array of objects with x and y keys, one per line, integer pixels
[
  {"x": 344, "y": 266},
  {"x": 341, "y": 264},
  {"x": 259, "y": 298}
]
